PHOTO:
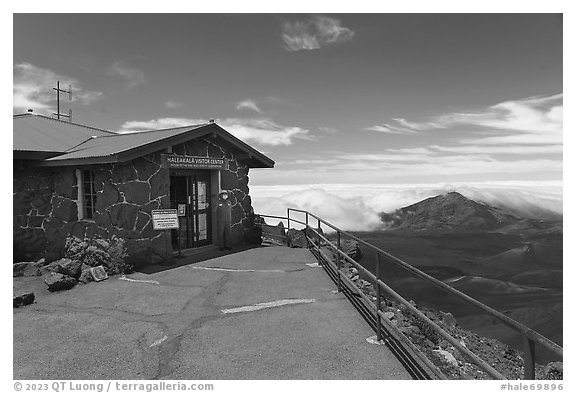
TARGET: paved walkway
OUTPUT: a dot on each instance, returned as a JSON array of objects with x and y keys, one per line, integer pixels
[{"x": 257, "y": 314}]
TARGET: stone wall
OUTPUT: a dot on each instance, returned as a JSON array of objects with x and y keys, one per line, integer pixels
[{"x": 46, "y": 209}]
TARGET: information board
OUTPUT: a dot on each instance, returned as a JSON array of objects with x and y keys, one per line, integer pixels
[{"x": 165, "y": 219}]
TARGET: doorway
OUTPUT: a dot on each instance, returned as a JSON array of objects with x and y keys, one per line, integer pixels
[{"x": 190, "y": 194}]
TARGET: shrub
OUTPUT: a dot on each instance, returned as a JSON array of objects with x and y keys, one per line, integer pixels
[{"x": 109, "y": 253}]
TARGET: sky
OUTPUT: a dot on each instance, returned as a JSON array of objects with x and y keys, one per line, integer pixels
[{"x": 362, "y": 113}]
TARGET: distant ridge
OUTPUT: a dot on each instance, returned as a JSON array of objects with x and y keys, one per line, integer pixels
[{"x": 448, "y": 212}]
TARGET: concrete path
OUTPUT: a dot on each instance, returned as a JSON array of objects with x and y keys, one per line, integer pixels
[{"x": 258, "y": 314}]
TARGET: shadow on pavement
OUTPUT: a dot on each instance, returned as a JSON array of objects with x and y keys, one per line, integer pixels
[{"x": 183, "y": 260}]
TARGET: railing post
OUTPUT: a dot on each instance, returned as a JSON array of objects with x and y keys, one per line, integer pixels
[
  {"x": 288, "y": 216},
  {"x": 339, "y": 262},
  {"x": 529, "y": 360},
  {"x": 319, "y": 229},
  {"x": 378, "y": 295},
  {"x": 306, "y": 230}
]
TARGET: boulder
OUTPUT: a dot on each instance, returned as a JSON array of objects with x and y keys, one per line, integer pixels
[
  {"x": 448, "y": 318},
  {"x": 447, "y": 357},
  {"x": 389, "y": 315},
  {"x": 70, "y": 267},
  {"x": 312, "y": 235},
  {"x": 41, "y": 262},
  {"x": 274, "y": 234},
  {"x": 59, "y": 282},
  {"x": 553, "y": 370},
  {"x": 50, "y": 268},
  {"x": 25, "y": 269},
  {"x": 296, "y": 238},
  {"x": 351, "y": 248},
  {"x": 23, "y": 300},
  {"x": 86, "y": 275}
]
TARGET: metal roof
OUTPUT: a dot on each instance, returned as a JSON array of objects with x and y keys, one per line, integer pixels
[
  {"x": 110, "y": 145},
  {"x": 37, "y": 133},
  {"x": 75, "y": 144}
]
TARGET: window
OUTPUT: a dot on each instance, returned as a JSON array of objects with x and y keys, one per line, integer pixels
[{"x": 88, "y": 194}]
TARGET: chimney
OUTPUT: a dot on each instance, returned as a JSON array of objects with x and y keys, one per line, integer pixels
[{"x": 211, "y": 121}]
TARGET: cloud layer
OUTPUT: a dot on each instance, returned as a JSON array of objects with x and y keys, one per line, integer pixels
[
  {"x": 314, "y": 33},
  {"x": 260, "y": 131},
  {"x": 32, "y": 89},
  {"x": 357, "y": 206}
]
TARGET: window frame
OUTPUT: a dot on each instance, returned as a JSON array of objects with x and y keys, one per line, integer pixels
[{"x": 86, "y": 193}]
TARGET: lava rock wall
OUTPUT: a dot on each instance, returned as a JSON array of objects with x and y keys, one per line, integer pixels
[{"x": 46, "y": 204}]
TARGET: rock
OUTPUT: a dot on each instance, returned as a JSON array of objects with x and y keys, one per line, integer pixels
[
  {"x": 28, "y": 243},
  {"x": 59, "y": 282},
  {"x": 123, "y": 173},
  {"x": 351, "y": 248},
  {"x": 64, "y": 209},
  {"x": 355, "y": 277},
  {"x": 274, "y": 234},
  {"x": 388, "y": 315},
  {"x": 23, "y": 300},
  {"x": 448, "y": 318},
  {"x": 553, "y": 370},
  {"x": 411, "y": 330},
  {"x": 70, "y": 267},
  {"x": 123, "y": 215},
  {"x": 41, "y": 262},
  {"x": 447, "y": 356},
  {"x": 25, "y": 269},
  {"x": 313, "y": 236},
  {"x": 296, "y": 238},
  {"x": 353, "y": 270},
  {"x": 85, "y": 275},
  {"x": 144, "y": 168},
  {"x": 136, "y": 192},
  {"x": 50, "y": 268},
  {"x": 160, "y": 184},
  {"x": 429, "y": 343}
]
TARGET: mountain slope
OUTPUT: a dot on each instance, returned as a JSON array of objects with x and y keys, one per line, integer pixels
[{"x": 447, "y": 212}]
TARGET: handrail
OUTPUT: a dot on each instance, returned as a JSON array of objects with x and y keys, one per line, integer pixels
[
  {"x": 414, "y": 310},
  {"x": 497, "y": 314},
  {"x": 530, "y": 336}
]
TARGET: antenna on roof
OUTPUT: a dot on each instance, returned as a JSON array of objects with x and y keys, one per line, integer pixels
[{"x": 58, "y": 91}]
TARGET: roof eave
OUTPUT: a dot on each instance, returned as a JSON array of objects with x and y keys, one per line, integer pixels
[
  {"x": 254, "y": 154},
  {"x": 254, "y": 158}
]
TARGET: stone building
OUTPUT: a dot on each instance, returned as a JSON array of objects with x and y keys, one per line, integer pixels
[{"x": 73, "y": 180}]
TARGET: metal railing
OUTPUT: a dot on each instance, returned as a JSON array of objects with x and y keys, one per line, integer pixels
[{"x": 382, "y": 325}]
